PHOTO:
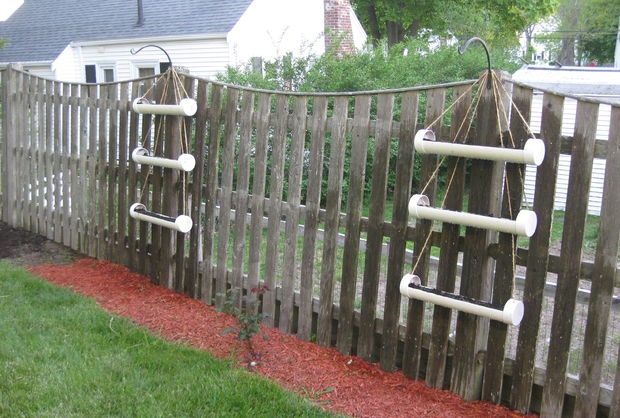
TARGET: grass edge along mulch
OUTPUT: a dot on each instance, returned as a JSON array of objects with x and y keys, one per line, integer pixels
[
  {"x": 339, "y": 383},
  {"x": 61, "y": 355}
]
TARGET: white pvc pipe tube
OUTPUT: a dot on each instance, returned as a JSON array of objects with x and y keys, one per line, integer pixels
[
  {"x": 533, "y": 151},
  {"x": 181, "y": 223},
  {"x": 186, "y": 107},
  {"x": 525, "y": 224},
  {"x": 511, "y": 314},
  {"x": 185, "y": 162}
]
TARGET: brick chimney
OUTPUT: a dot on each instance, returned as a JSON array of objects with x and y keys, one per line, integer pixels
[{"x": 338, "y": 31}]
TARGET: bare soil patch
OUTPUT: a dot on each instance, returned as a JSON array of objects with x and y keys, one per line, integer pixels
[{"x": 27, "y": 249}]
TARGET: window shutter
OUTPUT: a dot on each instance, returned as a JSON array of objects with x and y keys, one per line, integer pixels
[{"x": 91, "y": 73}]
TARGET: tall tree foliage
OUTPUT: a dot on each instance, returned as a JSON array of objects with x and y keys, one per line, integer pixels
[
  {"x": 600, "y": 20},
  {"x": 586, "y": 31},
  {"x": 397, "y": 20}
]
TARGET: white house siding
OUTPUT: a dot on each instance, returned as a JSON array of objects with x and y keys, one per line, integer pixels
[
  {"x": 39, "y": 69},
  {"x": 63, "y": 66},
  {"x": 202, "y": 56},
  {"x": 568, "y": 125},
  {"x": 273, "y": 28}
]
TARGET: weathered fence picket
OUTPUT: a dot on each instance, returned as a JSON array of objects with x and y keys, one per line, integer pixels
[
  {"x": 295, "y": 163},
  {"x": 602, "y": 291},
  {"x": 400, "y": 221},
  {"x": 27, "y": 151},
  {"x": 48, "y": 160},
  {"x": 421, "y": 243},
  {"x": 196, "y": 233},
  {"x": 274, "y": 208},
  {"x": 505, "y": 269},
  {"x": 538, "y": 254},
  {"x": 257, "y": 204},
  {"x": 372, "y": 260},
  {"x": 449, "y": 246},
  {"x": 133, "y": 185},
  {"x": 355, "y": 200},
  {"x": 570, "y": 258},
  {"x": 485, "y": 185},
  {"x": 242, "y": 195},
  {"x": 279, "y": 196},
  {"x": 224, "y": 219},
  {"x": 212, "y": 168},
  {"x": 39, "y": 168},
  {"x": 90, "y": 154},
  {"x": 144, "y": 192},
  {"x": 338, "y": 127},
  {"x": 317, "y": 125}
]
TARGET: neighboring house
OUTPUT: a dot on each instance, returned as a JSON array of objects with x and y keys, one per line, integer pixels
[
  {"x": 602, "y": 83},
  {"x": 90, "y": 40}
]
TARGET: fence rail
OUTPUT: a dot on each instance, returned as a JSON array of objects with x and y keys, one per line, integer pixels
[{"x": 308, "y": 193}]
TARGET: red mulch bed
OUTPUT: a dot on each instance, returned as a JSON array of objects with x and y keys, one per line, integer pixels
[{"x": 345, "y": 384}]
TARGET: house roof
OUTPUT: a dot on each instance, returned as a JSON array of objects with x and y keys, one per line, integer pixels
[
  {"x": 582, "y": 81},
  {"x": 41, "y": 29}
]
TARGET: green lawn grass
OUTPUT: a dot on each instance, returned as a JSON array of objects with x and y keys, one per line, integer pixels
[{"x": 63, "y": 356}]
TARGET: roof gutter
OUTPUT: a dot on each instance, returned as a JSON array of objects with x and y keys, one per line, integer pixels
[
  {"x": 149, "y": 39},
  {"x": 3, "y": 65}
]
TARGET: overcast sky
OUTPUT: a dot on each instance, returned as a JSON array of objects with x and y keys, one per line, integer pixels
[{"x": 7, "y": 7}]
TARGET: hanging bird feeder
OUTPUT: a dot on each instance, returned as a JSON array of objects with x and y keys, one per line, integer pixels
[
  {"x": 524, "y": 224},
  {"x": 185, "y": 162},
  {"x": 181, "y": 223},
  {"x": 533, "y": 151},
  {"x": 511, "y": 313}
]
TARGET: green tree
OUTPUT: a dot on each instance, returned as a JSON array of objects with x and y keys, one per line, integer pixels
[
  {"x": 586, "y": 31},
  {"x": 600, "y": 21},
  {"x": 568, "y": 17},
  {"x": 395, "y": 21}
]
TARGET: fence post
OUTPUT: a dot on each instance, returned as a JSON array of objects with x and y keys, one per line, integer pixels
[
  {"x": 503, "y": 282},
  {"x": 9, "y": 125},
  {"x": 476, "y": 281},
  {"x": 3, "y": 127}
]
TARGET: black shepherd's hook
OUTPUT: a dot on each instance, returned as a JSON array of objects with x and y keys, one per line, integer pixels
[
  {"x": 463, "y": 48},
  {"x": 134, "y": 52}
]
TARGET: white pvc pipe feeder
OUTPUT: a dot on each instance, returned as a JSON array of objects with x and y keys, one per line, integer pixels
[
  {"x": 533, "y": 151},
  {"x": 524, "y": 224},
  {"x": 181, "y": 223},
  {"x": 186, "y": 107},
  {"x": 185, "y": 162},
  {"x": 511, "y": 313}
]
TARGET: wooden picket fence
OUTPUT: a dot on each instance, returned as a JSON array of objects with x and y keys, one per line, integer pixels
[{"x": 307, "y": 194}]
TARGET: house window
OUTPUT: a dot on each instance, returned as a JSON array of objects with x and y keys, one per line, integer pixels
[
  {"x": 108, "y": 75},
  {"x": 91, "y": 73},
  {"x": 146, "y": 71},
  {"x": 103, "y": 73}
]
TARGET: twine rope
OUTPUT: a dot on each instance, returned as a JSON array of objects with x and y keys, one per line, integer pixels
[
  {"x": 499, "y": 91},
  {"x": 171, "y": 76}
]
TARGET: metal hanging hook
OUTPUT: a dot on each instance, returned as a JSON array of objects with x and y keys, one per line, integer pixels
[
  {"x": 134, "y": 52},
  {"x": 463, "y": 48}
]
